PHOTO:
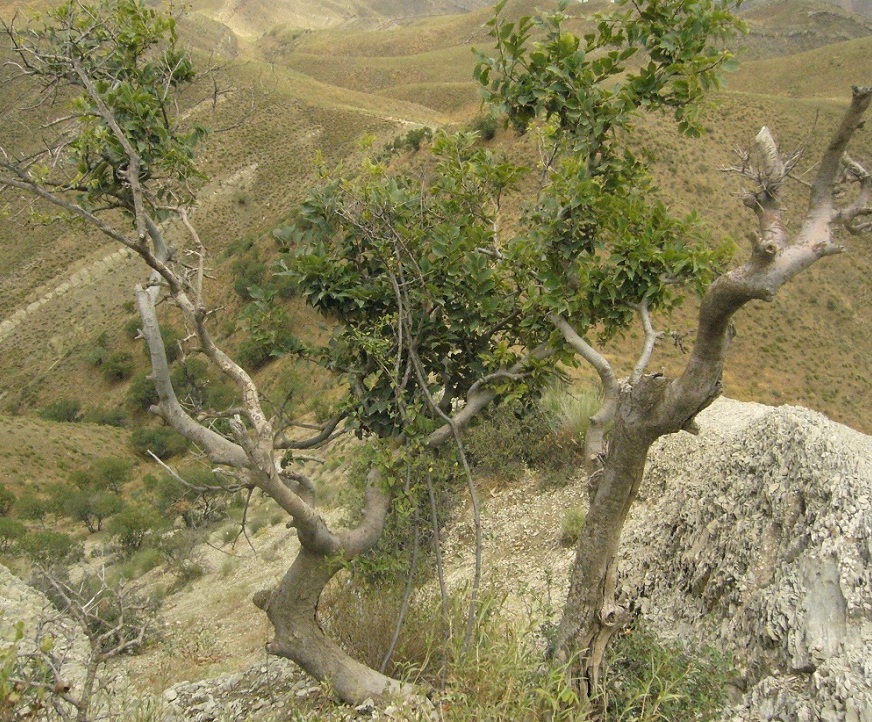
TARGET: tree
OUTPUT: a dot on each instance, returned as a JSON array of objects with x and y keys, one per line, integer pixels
[
  {"x": 601, "y": 249},
  {"x": 122, "y": 163},
  {"x": 443, "y": 310}
]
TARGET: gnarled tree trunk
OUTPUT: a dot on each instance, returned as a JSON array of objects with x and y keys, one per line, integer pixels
[{"x": 292, "y": 608}]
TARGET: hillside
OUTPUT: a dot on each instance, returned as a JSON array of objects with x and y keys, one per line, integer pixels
[
  {"x": 293, "y": 95},
  {"x": 301, "y": 84}
]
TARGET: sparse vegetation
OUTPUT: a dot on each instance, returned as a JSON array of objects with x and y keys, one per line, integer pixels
[
  {"x": 161, "y": 441},
  {"x": 62, "y": 410}
]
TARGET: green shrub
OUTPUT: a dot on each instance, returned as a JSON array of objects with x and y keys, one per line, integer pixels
[
  {"x": 49, "y": 547},
  {"x": 91, "y": 508},
  {"x": 141, "y": 394},
  {"x": 104, "y": 417},
  {"x": 196, "y": 508},
  {"x": 96, "y": 356},
  {"x": 415, "y": 137},
  {"x": 254, "y": 354},
  {"x": 649, "y": 679},
  {"x": 133, "y": 525},
  {"x": 7, "y": 499},
  {"x": 110, "y": 472},
  {"x": 503, "y": 442},
  {"x": 63, "y": 410},
  {"x": 118, "y": 366},
  {"x": 170, "y": 337},
  {"x": 570, "y": 527},
  {"x": 140, "y": 562},
  {"x": 31, "y": 506},
  {"x": 248, "y": 272},
  {"x": 162, "y": 441},
  {"x": 132, "y": 327},
  {"x": 10, "y": 531},
  {"x": 485, "y": 126}
]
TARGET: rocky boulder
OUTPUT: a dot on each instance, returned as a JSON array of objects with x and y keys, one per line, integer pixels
[{"x": 756, "y": 535}]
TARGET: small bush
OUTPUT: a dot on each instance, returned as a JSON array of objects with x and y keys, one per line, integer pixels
[
  {"x": 485, "y": 126},
  {"x": 96, "y": 356},
  {"x": 110, "y": 472},
  {"x": 31, "y": 506},
  {"x": 104, "y": 417},
  {"x": 503, "y": 442},
  {"x": 62, "y": 410},
  {"x": 7, "y": 499},
  {"x": 170, "y": 337},
  {"x": 50, "y": 548},
  {"x": 133, "y": 525},
  {"x": 162, "y": 441},
  {"x": 254, "y": 354},
  {"x": 570, "y": 527},
  {"x": 140, "y": 562},
  {"x": 10, "y": 531},
  {"x": 118, "y": 366},
  {"x": 141, "y": 394},
  {"x": 91, "y": 508},
  {"x": 248, "y": 272},
  {"x": 415, "y": 137},
  {"x": 132, "y": 327},
  {"x": 649, "y": 679}
]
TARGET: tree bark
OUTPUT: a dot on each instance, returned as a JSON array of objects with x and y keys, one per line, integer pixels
[{"x": 292, "y": 610}]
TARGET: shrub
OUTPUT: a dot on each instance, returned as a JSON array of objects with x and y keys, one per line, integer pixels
[
  {"x": 89, "y": 507},
  {"x": 162, "y": 441},
  {"x": 502, "y": 443},
  {"x": 96, "y": 356},
  {"x": 141, "y": 394},
  {"x": 118, "y": 366},
  {"x": 570, "y": 527},
  {"x": 110, "y": 472},
  {"x": 248, "y": 272},
  {"x": 485, "y": 126},
  {"x": 7, "y": 499},
  {"x": 170, "y": 337},
  {"x": 10, "y": 531},
  {"x": 31, "y": 506},
  {"x": 104, "y": 417},
  {"x": 49, "y": 547},
  {"x": 140, "y": 562},
  {"x": 179, "y": 552},
  {"x": 253, "y": 354},
  {"x": 173, "y": 498},
  {"x": 133, "y": 525},
  {"x": 62, "y": 410},
  {"x": 650, "y": 679},
  {"x": 415, "y": 137},
  {"x": 132, "y": 327}
]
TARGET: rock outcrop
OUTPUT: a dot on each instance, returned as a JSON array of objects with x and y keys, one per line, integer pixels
[{"x": 756, "y": 535}]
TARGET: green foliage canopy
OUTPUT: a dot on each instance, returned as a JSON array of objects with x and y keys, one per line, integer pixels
[
  {"x": 434, "y": 295},
  {"x": 123, "y": 57}
]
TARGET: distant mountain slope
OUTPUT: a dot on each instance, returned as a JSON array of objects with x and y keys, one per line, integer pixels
[
  {"x": 784, "y": 27},
  {"x": 253, "y": 18}
]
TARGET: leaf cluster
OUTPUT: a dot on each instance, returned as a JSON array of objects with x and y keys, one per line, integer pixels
[
  {"x": 408, "y": 266},
  {"x": 118, "y": 65}
]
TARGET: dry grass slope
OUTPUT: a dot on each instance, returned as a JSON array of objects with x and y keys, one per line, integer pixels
[{"x": 294, "y": 94}]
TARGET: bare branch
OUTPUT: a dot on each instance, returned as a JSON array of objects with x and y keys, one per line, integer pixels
[{"x": 651, "y": 337}]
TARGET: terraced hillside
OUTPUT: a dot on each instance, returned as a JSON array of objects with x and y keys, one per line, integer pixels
[{"x": 306, "y": 78}]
